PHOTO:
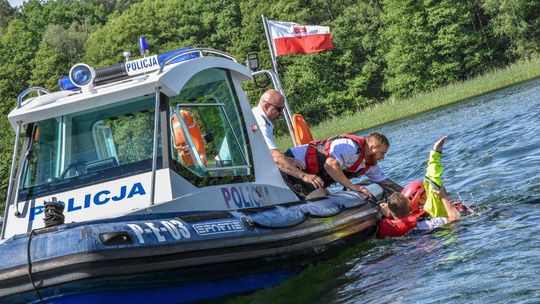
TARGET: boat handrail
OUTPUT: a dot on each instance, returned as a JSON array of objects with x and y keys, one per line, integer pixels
[
  {"x": 12, "y": 181},
  {"x": 246, "y": 167},
  {"x": 201, "y": 52},
  {"x": 39, "y": 90},
  {"x": 157, "y": 112}
]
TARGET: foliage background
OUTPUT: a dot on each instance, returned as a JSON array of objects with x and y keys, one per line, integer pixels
[{"x": 384, "y": 49}]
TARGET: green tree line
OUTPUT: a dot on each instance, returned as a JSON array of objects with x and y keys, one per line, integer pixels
[{"x": 384, "y": 49}]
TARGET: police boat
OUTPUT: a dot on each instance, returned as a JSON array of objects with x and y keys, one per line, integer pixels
[{"x": 150, "y": 179}]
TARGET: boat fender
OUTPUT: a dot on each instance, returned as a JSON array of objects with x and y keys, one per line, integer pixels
[
  {"x": 277, "y": 218},
  {"x": 347, "y": 199},
  {"x": 320, "y": 208}
]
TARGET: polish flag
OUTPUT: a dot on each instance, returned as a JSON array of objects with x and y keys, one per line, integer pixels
[{"x": 292, "y": 38}]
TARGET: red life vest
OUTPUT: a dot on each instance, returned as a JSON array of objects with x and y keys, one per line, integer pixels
[
  {"x": 319, "y": 150},
  {"x": 393, "y": 228}
]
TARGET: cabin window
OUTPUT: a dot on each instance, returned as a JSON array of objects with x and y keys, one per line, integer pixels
[
  {"x": 208, "y": 136},
  {"x": 88, "y": 147}
]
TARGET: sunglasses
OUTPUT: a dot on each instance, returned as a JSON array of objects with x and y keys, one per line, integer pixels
[{"x": 279, "y": 109}]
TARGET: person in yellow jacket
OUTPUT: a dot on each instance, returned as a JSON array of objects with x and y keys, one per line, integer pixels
[
  {"x": 421, "y": 205},
  {"x": 424, "y": 194},
  {"x": 433, "y": 181}
]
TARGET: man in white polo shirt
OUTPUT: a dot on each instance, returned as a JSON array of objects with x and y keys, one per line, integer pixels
[
  {"x": 339, "y": 158},
  {"x": 270, "y": 108}
]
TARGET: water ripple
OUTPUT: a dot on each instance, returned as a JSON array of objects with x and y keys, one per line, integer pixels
[{"x": 492, "y": 161}]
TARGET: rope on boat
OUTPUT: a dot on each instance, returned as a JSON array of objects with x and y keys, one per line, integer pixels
[
  {"x": 54, "y": 215},
  {"x": 32, "y": 233}
]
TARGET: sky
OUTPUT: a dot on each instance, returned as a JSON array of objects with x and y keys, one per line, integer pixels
[{"x": 15, "y": 2}]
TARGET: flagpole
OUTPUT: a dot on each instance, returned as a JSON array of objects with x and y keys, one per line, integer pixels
[
  {"x": 269, "y": 41},
  {"x": 287, "y": 113}
]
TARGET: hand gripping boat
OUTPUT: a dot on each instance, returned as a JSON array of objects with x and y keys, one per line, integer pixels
[{"x": 151, "y": 180}]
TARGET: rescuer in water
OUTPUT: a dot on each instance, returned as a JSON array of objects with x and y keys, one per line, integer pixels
[{"x": 422, "y": 206}]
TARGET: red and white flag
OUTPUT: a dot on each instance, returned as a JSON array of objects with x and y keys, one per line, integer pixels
[{"x": 292, "y": 38}]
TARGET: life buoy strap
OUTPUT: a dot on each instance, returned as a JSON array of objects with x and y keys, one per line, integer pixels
[{"x": 179, "y": 141}]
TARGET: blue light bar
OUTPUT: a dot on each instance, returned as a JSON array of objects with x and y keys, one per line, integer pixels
[
  {"x": 143, "y": 46},
  {"x": 64, "y": 84},
  {"x": 187, "y": 56},
  {"x": 119, "y": 71}
]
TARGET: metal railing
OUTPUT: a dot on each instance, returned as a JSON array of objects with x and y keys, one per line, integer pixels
[
  {"x": 201, "y": 52},
  {"x": 20, "y": 98}
]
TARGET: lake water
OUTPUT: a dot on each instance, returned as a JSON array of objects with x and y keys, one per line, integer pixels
[{"x": 492, "y": 163}]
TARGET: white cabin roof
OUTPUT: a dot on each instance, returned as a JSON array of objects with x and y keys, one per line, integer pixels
[{"x": 170, "y": 80}]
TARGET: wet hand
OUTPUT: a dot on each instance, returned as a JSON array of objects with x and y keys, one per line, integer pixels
[
  {"x": 438, "y": 146},
  {"x": 384, "y": 210},
  {"x": 362, "y": 190},
  {"x": 316, "y": 181},
  {"x": 298, "y": 164},
  {"x": 441, "y": 192}
]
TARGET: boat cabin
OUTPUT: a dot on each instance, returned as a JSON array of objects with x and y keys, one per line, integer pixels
[{"x": 167, "y": 133}]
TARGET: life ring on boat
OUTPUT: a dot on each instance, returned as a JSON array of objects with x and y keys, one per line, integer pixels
[
  {"x": 180, "y": 141},
  {"x": 36, "y": 135},
  {"x": 302, "y": 134}
]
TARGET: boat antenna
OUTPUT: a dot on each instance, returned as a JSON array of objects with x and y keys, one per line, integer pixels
[{"x": 127, "y": 55}]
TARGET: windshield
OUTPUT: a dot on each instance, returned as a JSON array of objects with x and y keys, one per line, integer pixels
[
  {"x": 88, "y": 147},
  {"x": 209, "y": 143}
]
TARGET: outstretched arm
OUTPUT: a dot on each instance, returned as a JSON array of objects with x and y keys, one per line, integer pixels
[
  {"x": 376, "y": 175},
  {"x": 434, "y": 170},
  {"x": 332, "y": 166},
  {"x": 389, "y": 186},
  {"x": 434, "y": 205}
]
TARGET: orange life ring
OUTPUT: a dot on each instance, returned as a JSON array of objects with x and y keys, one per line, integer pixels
[
  {"x": 302, "y": 134},
  {"x": 180, "y": 141},
  {"x": 36, "y": 135}
]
